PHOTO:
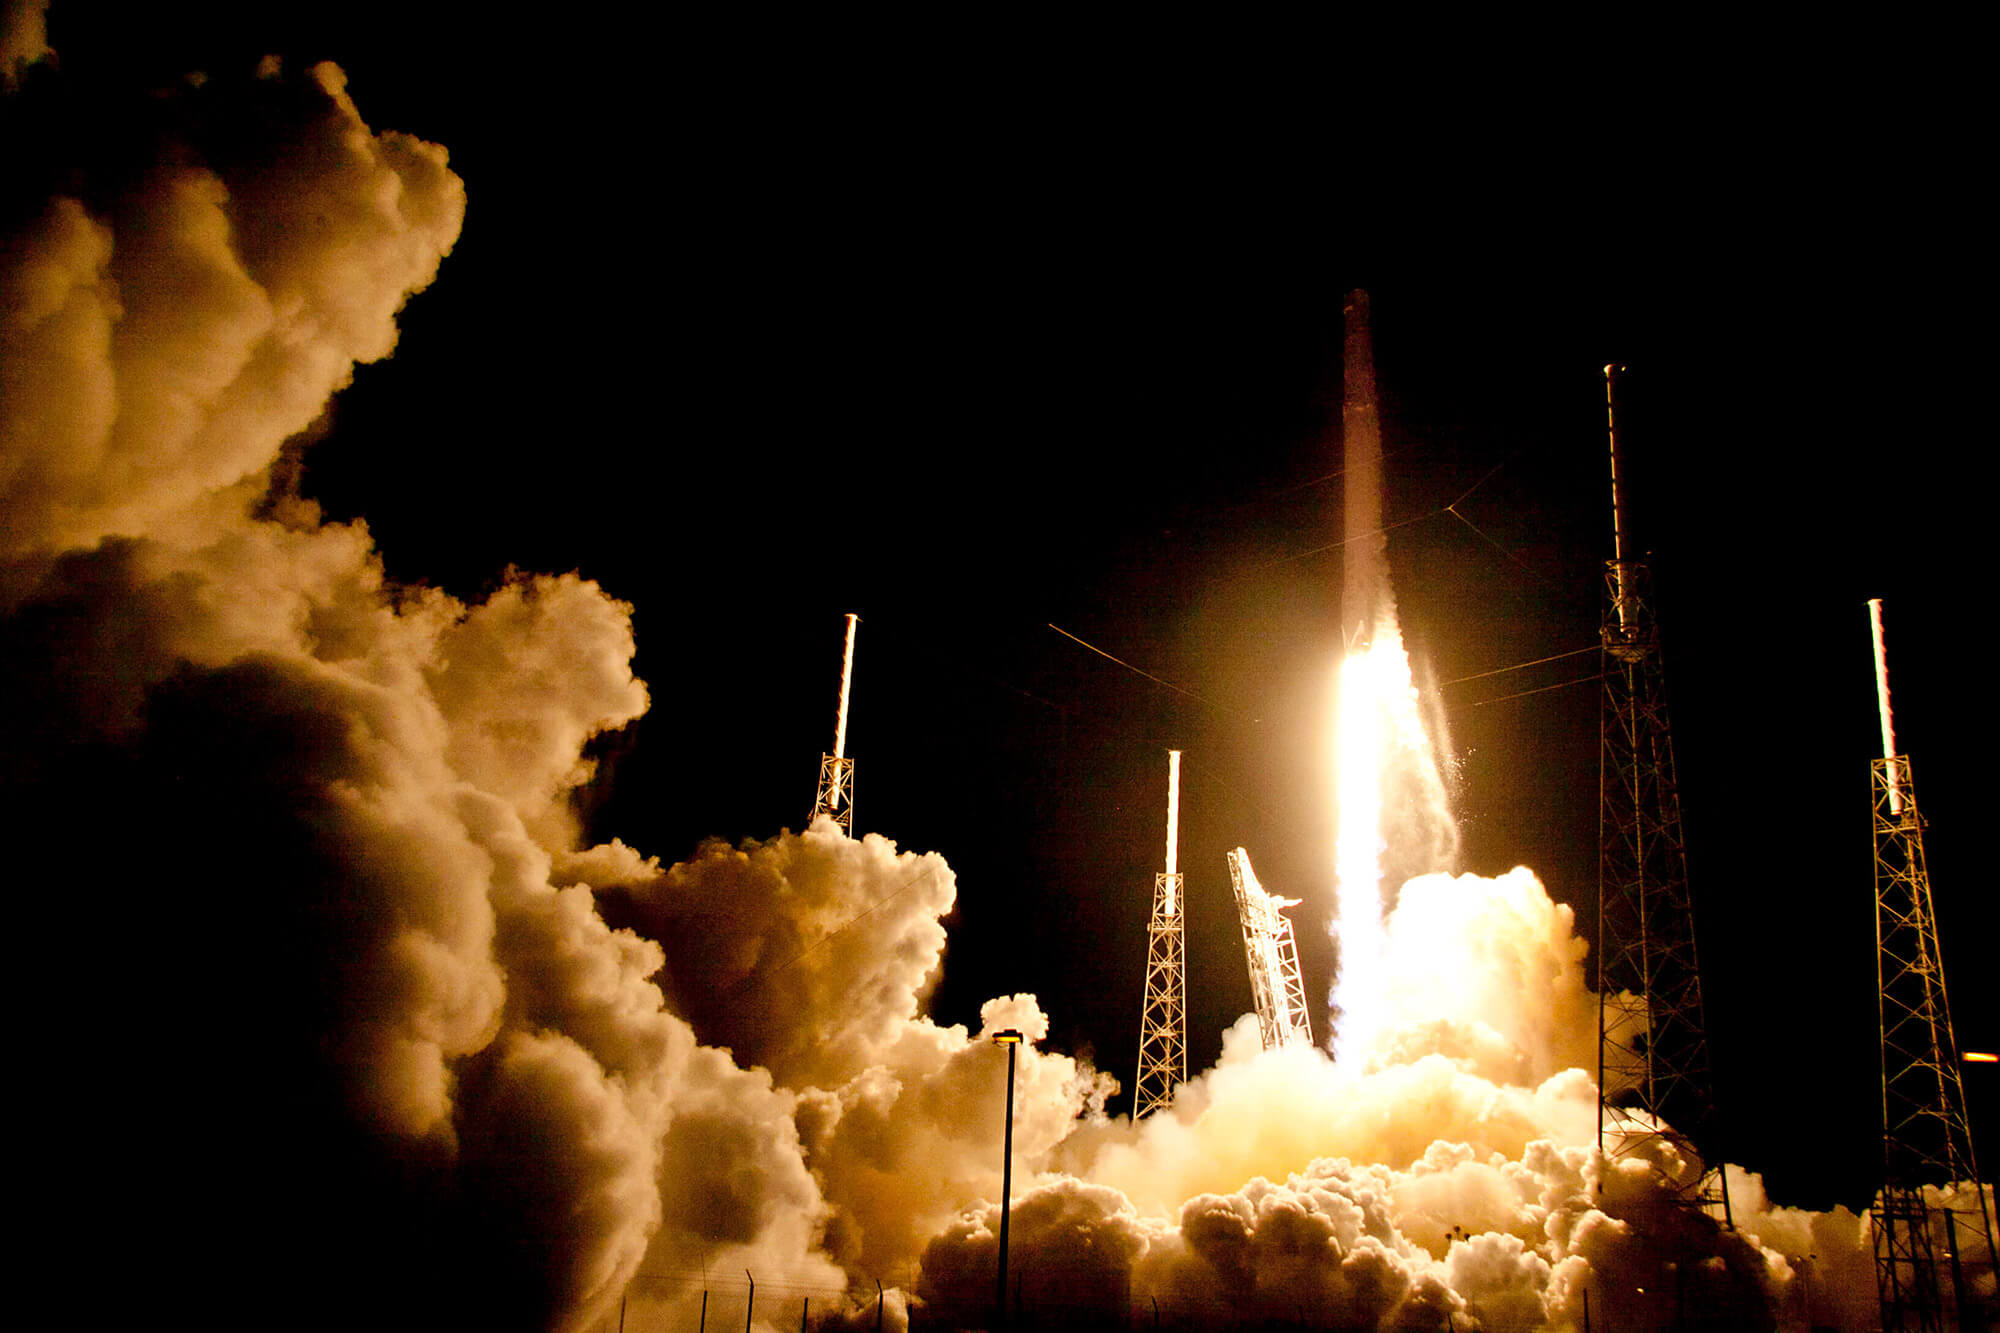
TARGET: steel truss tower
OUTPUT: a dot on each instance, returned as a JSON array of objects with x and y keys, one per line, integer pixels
[
  {"x": 1656, "y": 1098},
  {"x": 1926, "y": 1137},
  {"x": 1275, "y": 982},
  {"x": 836, "y": 771},
  {"x": 1163, "y": 1022}
]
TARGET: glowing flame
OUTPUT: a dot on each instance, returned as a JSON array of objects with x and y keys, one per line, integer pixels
[{"x": 1378, "y": 736}]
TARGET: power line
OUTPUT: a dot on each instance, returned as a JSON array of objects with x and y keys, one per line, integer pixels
[
  {"x": 1140, "y": 671},
  {"x": 1519, "y": 666},
  {"x": 1580, "y": 680}
]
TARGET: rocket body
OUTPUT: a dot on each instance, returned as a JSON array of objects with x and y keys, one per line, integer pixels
[{"x": 1364, "y": 578}]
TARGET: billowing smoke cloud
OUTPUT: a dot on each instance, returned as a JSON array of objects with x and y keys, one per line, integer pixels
[
  {"x": 367, "y": 1040},
  {"x": 364, "y": 1062},
  {"x": 809, "y": 955},
  {"x": 1454, "y": 1176}
]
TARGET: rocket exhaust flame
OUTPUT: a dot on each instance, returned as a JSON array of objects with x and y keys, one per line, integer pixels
[
  {"x": 1358, "y": 852},
  {"x": 1392, "y": 813}
]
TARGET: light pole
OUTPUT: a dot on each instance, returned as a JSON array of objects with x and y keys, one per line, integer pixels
[
  {"x": 1011, "y": 1039},
  {"x": 1966, "y": 1315}
]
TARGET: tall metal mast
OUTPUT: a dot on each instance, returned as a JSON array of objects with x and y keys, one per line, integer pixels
[
  {"x": 836, "y": 770},
  {"x": 1163, "y": 1022},
  {"x": 1926, "y": 1138},
  {"x": 1656, "y": 1098},
  {"x": 1275, "y": 982}
]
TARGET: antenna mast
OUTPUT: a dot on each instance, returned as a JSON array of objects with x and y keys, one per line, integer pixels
[
  {"x": 1275, "y": 982},
  {"x": 1926, "y": 1137},
  {"x": 836, "y": 771},
  {"x": 1163, "y": 1022},
  {"x": 1656, "y": 1098}
]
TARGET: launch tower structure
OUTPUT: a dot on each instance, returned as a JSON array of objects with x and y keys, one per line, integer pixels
[
  {"x": 1656, "y": 1097},
  {"x": 1274, "y": 958},
  {"x": 836, "y": 771},
  {"x": 1163, "y": 1022},
  {"x": 1926, "y": 1136}
]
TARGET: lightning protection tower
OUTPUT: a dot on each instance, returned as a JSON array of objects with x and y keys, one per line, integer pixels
[
  {"x": 836, "y": 770},
  {"x": 1274, "y": 958},
  {"x": 1163, "y": 1023},
  {"x": 1926, "y": 1138},
  {"x": 1656, "y": 1099}
]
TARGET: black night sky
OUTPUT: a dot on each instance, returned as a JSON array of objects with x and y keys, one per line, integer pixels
[{"x": 1018, "y": 329}]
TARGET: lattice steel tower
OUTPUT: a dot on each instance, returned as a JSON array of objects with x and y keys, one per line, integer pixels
[
  {"x": 836, "y": 770},
  {"x": 1656, "y": 1098},
  {"x": 1163, "y": 1022},
  {"x": 1275, "y": 982},
  {"x": 1926, "y": 1138}
]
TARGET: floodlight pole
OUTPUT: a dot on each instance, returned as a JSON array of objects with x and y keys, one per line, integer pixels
[{"x": 1011, "y": 1039}]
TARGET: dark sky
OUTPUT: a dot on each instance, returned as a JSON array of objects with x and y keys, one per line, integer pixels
[{"x": 975, "y": 332}]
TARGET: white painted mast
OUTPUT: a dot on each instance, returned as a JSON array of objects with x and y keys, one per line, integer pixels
[
  {"x": 1163, "y": 1021},
  {"x": 846, "y": 683},
  {"x": 1895, "y": 791},
  {"x": 1620, "y": 523}
]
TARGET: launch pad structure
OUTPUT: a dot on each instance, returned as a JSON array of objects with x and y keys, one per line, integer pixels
[
  {"x": 1273, "y": 954},
  {"x": 1656, "y": 1096},
  {"x": 1163, "y": 1021},
  {"x": 1926, "y": 1135},
  {"x": 835, "y": 798}
]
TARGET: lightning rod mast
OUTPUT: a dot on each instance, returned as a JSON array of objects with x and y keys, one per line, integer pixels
[
  {"x": 1656, "y": 1097},
  {"x": 1926, "y": 1137},
  {"x": 1275, "y": 982},
  {"x": 1163, "y": 1022},
  {"x": 836, "y": 771}
]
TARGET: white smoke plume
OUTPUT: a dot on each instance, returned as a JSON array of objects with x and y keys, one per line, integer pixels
[
  {"x": 371, "y": 1042},
  {"x": 388, "y": 1072},
  {"x": 1455, "y": 1177},
  {"x": 809, "y": 955}
]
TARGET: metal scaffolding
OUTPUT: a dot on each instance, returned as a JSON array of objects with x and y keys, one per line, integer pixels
[
  {"x": 1163, "y": 1021},
  {"x": 1926, "y": 1137},
  {"x": 835, "y": 798},
  {"x": 1656, "y": 1096},
  {"x": 1273, "y": 953}
]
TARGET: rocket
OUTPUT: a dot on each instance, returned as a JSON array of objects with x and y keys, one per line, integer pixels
[{"x": 1364, "y": 578}]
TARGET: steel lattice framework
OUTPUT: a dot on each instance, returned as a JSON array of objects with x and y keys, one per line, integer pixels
[
  {"x": 835, "y": 798},
  {"x": 1163, "y": 1021},
  {"x": 1273, "y": 953},
  {"x": 1926, "y": 1138},
  {"x": 1656, "y": 1094}
]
